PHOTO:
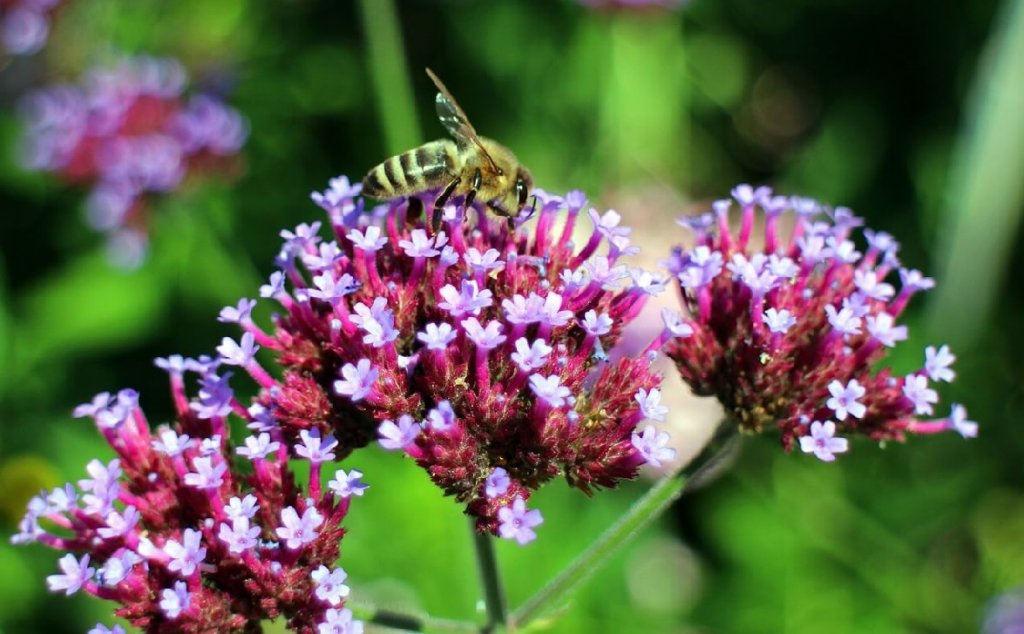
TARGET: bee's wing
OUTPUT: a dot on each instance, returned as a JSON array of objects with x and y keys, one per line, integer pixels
[{"x": 455, "y": 120}]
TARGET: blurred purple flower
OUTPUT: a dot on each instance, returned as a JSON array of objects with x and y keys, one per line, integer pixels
[
  {"x": 25, "y": 25},
  {"x": 128, "y": 131}
]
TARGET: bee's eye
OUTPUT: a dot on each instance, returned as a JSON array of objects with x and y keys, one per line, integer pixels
[{"x": 521, "y": 192}]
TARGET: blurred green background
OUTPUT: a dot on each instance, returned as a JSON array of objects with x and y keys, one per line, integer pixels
[{"x": 912, "y": 113}]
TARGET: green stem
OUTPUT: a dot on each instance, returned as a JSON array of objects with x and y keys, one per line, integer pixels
[
  {"x": 389, "y": 75},
  {"x": 642, "y": 513},
  {"x": 494, "y": 595}
]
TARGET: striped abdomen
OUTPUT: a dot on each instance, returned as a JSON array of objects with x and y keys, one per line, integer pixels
[{"x": 421, "y": 169}]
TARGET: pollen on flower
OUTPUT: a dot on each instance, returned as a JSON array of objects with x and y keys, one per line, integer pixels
[{"x": 786, "y": 327}]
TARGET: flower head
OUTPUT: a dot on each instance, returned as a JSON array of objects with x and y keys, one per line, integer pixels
[
  {"x": 789, "y": 331},
  {"x": 469, "y": 348},
  {"x": 25, "y": 25},
  {"x": 186, "y": 529}
]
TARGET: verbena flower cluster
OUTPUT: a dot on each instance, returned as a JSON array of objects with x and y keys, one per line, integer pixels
[
  {"x": 481, "y": 354},
  {"x": 128, "y": 131},
  {"x": 786, "y": 331},
  {"x": 25, "y": 25},
  {"x": 188, "y": 532}
]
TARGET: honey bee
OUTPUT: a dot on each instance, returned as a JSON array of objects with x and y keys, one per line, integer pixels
[{"x": 470, "y": 165}]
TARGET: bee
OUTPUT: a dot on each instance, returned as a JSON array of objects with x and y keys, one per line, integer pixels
[{"x": 466, "y": 165}]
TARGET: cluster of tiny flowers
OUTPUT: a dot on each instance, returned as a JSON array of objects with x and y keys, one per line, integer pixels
[
  {"x": 480, "y": 353},
  {"x": 785, "y": 331},
  {"x": 129, "y": 131},
  {"x": 188, "y": 532},
  {"x": 25, "y": 25}
]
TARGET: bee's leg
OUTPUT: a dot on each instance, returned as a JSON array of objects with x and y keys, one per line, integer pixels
[
  {"x": 509, "y": 218},
  {"x": 474, "y": 185},
  {"x": 442, "y": 200}
]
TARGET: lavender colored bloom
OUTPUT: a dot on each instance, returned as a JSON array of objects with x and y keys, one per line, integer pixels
[
  {"x": 234, "y": 353},
  {"x": 652, "y": 445},
  {"x": 103, "y": 629},
  {"x": 485, "y": 337},
  {"x": 186, "y": 555},
  {"x": 497, "y": 483},
  {"x": 174, "y": 601},
  {"x": 314, "y": 448},
  {"x": 259, "y": 447},
  {"x": 531, "y": 356},
  {"x": 779, "y": 321},
  {"x": 356, "y": 380},
  {"x": 330, "y": 585},
  {"x": 822, "y": 441},
  {"x": 296, "y": 530},
  {"x": 241, "y": 507},
  {"x": 469, "y": 299},
  {"x": 515, "y": 522},
  {"x": 437, "y": 336},
  {"x": 348, "y": 484},
  {"x": 442, "y": 417},
  {"x": 239, "y": 536},
  {"x": 549, "y": 389},
  {"x": 398, "y": 436},
  {"x": 844, "y": 399},
  {"x": 882, "y": 327},
  {"x": 958, "y": 422},
  {"x": 206, "y": 475},
  {"x": 369, "y": 240},
  {"x": 915, "y": 388},
  {"x": 650, "y": 404},
  {"x": 119, "y": 524},
  {"x": 937, "y": 363},
  {"x": 172, "y": 444},
  {"x": 75, "y": 573},
  {"x": 241, "y": 313},
  {"x": 339, "y": 622}
]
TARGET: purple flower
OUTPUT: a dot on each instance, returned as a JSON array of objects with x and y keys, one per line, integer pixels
[
  {"x": 652, "y": 446},
  {"x": 232, "y": 353},
  {"x": 915, "y": 387},
  {"x": 469, "y": 299},
  {"x": 297, "y": 531},
  {"x": 549, "y": 389},
  {"x": 497, "y": 483},
  {"x": 369, "y": 240},
  {"x": 174, "y": 601},
  {"x": 356, "y": 380},
  {"x": 485, "y": 338},
  {"x": 937, "y": 363},
  {"x": 172, "y": 444},
  {"x": 348, "y": 484},
  {"x": 206, "y": 475},
  {"x": 531, "y": 356},
  {"x": 241, "y": 507},
  {"x": 187, "y": 554},
  {"x": 844, "y": 399},
  {"x": 314, "y": 448},
  {"x": 127, "y": 132},
  {"x": 76, "y": 573},
  {"x": 103, "y": 629},
  {"x": 259, "y": 447},
  {"x": 515, "y": 522},
  {"x": 958, "y": 422},
  {"x": 822, "y": 441},
  {"x": 239, "y": 536},
  {"x": 779, "y": 321},
  {"x": 400, "y": 436},
  {"x": 339, "y": 622},
  {"x": 650, "y": 404},
  {"x": 330, "y": 585},
  {"x": 437, "y": 336}
]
